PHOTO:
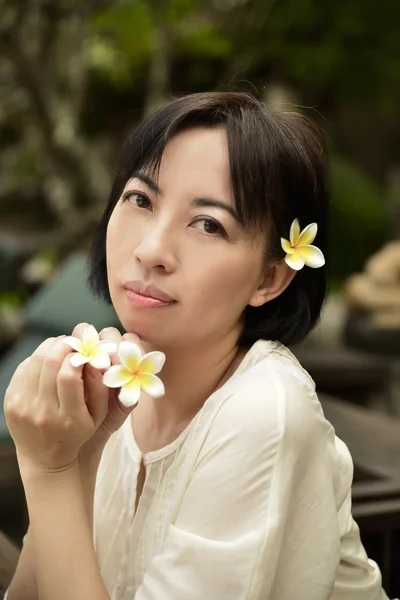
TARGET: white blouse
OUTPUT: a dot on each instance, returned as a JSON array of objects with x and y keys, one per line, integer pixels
[{"x": 251, "y": 502}]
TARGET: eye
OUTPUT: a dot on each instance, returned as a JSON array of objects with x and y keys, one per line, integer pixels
[
  {"x": 211, "y": 227},
  {"x": 137, "y": 199}
]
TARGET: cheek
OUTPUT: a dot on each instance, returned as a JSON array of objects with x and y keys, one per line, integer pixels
[{"x": 227, "y": 282}]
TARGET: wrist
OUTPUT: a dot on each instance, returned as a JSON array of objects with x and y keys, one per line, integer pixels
[
  {"x": 35, "y": 477},
  {"x": 32, "y": 471},
  {"x": 89, "y": 460}
]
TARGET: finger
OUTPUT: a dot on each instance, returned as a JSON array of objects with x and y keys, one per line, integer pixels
[
  {"x": 69, "y": 384},
  {"x": 79, "y": 330},
  {"x": 95, "y": 392},
  {"x": 51, "y": 366},
  {"x": 93, "y": 378},
  {"x": 30, "y": 387},
  {"x": 14, "y": 387},
  {"x": 111, "y": 334}
]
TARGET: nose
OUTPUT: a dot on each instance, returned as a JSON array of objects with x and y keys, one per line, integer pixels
[{"x": 157, "y": 247}]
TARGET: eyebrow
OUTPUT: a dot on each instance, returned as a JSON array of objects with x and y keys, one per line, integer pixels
[
  {"x": 204, "y": 202},
  {"x": 198, "y": 202},
  {"x": 147, "y": 181}
]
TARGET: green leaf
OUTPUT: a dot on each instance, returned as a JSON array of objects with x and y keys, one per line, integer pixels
[
  {"x": 359, "y": 224},
  {"x": 205, "y": 42}
]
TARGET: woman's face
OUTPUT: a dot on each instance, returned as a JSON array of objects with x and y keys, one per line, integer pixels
[{"x": 179, "y": 234}]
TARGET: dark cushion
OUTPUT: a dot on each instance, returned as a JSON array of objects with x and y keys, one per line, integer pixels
[
  {"x": 56, "y": 309},
  {"x": 67, "y": 301}
]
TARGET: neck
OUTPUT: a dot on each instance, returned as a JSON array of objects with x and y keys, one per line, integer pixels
[{"x": 190, "y": 376}]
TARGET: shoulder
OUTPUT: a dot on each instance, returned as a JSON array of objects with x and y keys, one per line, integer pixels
[
  {"x": 274, "y": 398},
  {"x": 271, "y": 421}
]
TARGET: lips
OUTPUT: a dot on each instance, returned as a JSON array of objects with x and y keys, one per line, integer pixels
[{"x": 139, "y": 287}]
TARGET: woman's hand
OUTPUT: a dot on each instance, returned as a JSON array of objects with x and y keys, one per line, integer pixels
[
  {"x": 116, "y": 413},
  {"x": 45, "y": 408}
]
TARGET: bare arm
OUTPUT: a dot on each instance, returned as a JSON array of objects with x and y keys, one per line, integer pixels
[
  {"x": 24, "y": 585},
  {"x": 61, "y": 537}
]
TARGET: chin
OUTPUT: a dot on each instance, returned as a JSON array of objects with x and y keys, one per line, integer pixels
[{"x": 147, "y": 332}]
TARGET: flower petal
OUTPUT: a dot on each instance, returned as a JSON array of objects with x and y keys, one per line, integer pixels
[
  {"x": 130, "y": 393},
  {"x": 286, "y": 246},
  {"x": 90, "y": 338},
  {"x": 312, "y": 256},
  {"x": 75, "y": 343},
  {"x": 108, "y": 347},
  {"x": 130, "y": 355},
  {"x": 151, "y": 385},
  {"x": 308, "y": 234},
  {"x": 98, "y": 358},
  {"x": 152, "y": 362},
  {"x": 78, "y": 359},
  {"x": 294, "y": 232},
  {"x": 295, "y": 261},
  {"x": 117, "y": 376}
]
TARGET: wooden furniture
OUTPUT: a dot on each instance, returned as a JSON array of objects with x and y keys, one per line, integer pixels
[
  {"x": 374, "y": 443},
  {"x": 9, "y": 554},
  {"x": 13, "y": 513},
  {"x": 384, "y": 343},
  {"x": 347, "y": 373}
]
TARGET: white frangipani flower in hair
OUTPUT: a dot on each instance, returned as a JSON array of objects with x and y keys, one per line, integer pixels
[
  {"x": 135, "y": 373},
  {"x": 299, "y": 251},
  {"x": 91, "y": 349}
]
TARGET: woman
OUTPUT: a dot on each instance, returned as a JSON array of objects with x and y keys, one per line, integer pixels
[{"x": 232, "y": 485}]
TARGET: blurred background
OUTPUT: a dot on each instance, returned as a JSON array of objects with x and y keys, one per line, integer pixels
[{"x": 75, "y": 76}]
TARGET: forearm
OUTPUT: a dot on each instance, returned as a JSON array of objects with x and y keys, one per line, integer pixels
[
  {"x": 88, "y": 467},
  {"x": 65, "y": 560},
  {"x": 23, "y": 585}
]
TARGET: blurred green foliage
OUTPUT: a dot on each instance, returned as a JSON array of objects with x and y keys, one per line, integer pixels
[
  {"x": 359, "y": 225},
  {"x": 75, "y": 76}
]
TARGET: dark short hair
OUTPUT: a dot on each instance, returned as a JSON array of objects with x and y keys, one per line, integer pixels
[{"x": 279, "y": 173}]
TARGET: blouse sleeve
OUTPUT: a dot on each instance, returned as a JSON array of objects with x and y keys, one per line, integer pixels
[{"x": 258, "y": 519}]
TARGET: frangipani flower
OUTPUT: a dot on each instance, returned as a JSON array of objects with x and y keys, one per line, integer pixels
[
  {"x": 136, "y": 373},
  {"x": 298, "y": 249},
  {"x": 91, "y": 349}
]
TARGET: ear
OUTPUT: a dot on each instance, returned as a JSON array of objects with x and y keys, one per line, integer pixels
[{"x": 275, "y": 279}]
